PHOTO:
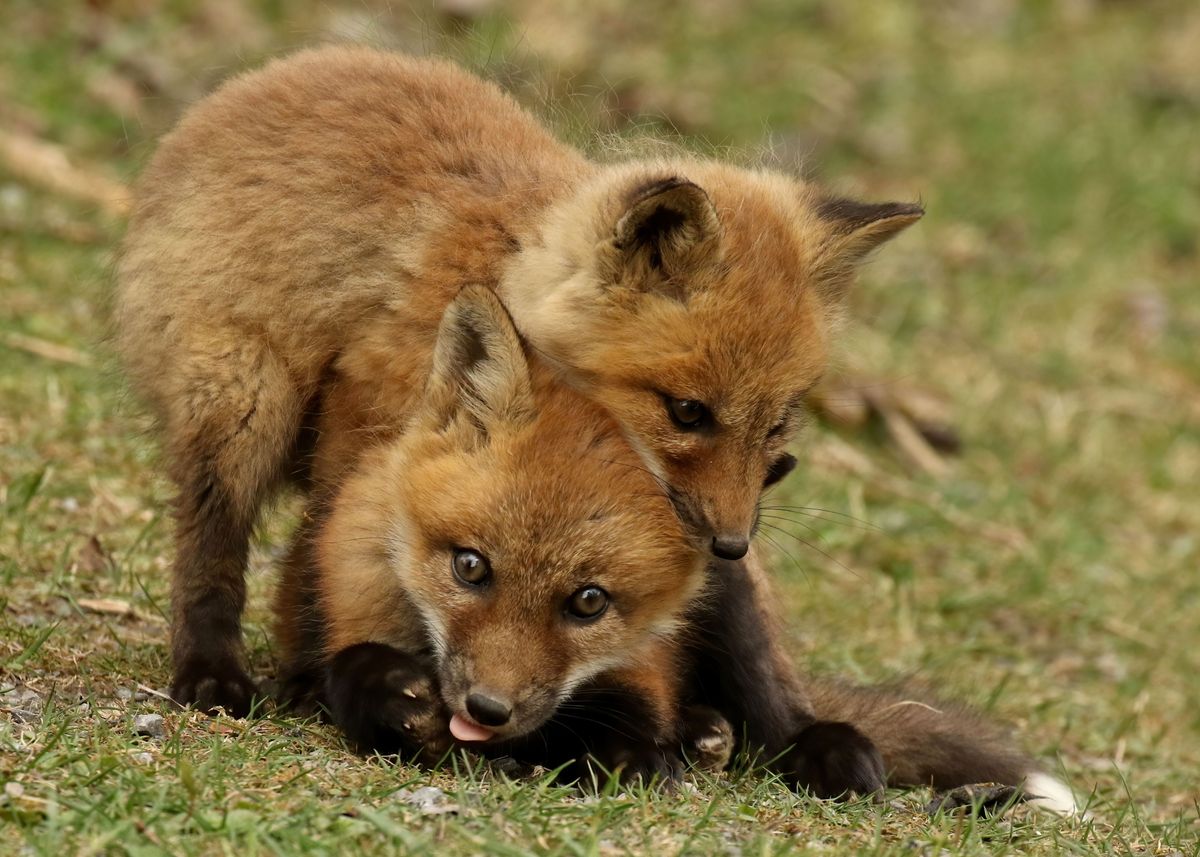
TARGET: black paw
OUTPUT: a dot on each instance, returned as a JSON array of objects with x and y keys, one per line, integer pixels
[
  {"x": 386, "y": 701},
  {"x": 833, "y": 760},
  {"x": 298, "y": 691},
  {"x": 211, "y": 685},
  {"x": 706, "y": 737},
  {"x": 645, "y": 763}
]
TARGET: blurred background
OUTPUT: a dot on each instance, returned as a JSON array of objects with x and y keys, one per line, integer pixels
[{"x": 1004, "y": 495}]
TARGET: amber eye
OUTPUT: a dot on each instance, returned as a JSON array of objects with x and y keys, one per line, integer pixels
[
  {"x": 687, "y": 413},
  {"x": 471, "y": 567},
  {"x": 588, "y": 603}
]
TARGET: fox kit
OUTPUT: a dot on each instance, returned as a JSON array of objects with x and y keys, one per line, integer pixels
[
  {"x": 505, "y": 573},
  {"x": 298, "y": 236},
  {"x": 506, "y": 552}
]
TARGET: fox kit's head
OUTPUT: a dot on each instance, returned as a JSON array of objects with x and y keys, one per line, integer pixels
[
  {"x": 511, "y": 530},
  {"x": 695, "y": 301}
]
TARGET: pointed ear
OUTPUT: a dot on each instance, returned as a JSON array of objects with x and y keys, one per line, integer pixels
[
  {"x": 666, "y": 228},
  {"x": 480, "y": 371},
  {"x": 857, "y": 228}
]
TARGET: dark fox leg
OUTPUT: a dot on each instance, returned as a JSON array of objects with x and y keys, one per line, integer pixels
[
  {"x": 927, "y": 741},
  {"x": 924, "y": 741},
  {"x": 741, "y": 668},
  {"x": 706, "y": 737},
  {"x": 299, "y": 622},
  {"x": 230, "y": 432},
  {"x": 744, "y": 671},
  {"x": 387, "y": 701}
]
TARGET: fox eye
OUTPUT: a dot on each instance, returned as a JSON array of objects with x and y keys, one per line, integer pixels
[
  {"x": 588, "y": 603},
  {"x": 687, "y": 414},
  {"x": 779, "y": 468},
  {"x": 471, "y": 567}
]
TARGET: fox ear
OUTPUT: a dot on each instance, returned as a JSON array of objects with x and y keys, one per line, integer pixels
[
  {"x": 854, "y": 229},
  {"x": 667, "y": 227},
  {"x": 857, "y": 228},
  {"x": 479, "y": 370}
]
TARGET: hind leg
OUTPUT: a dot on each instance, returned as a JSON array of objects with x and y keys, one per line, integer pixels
[
  {"x": 299, "y": 621},
  {"x": 231, "y": 430}
]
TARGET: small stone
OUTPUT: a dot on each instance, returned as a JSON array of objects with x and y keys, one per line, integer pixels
[
  {"x": 124, "y": 694},
  {"x": 23, "y": 704},
  {"x": 150, "y": 725},
  {"x": 430, "y": 800},
  {"x": 143, "y": 758},
  {"x": 14, "y": 789}
]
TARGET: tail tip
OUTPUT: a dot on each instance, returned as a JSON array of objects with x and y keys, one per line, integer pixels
[{"x": 1049, "y": 793}]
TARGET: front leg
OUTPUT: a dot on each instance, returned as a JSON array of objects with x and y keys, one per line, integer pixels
[
  {"x": 387, "y": 701},
  {"x": 743, "y": 670},
  {"x": 741, "y": 667},
  {"x": 706, "y": 737}
]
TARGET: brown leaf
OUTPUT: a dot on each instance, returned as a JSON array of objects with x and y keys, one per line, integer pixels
[
  {"x": 93, "y": 559},
  {"x": 916, "y": 421},
  {"x": 118, "y": 93}
]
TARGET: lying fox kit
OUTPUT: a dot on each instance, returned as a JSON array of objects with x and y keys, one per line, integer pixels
[
  {"x": 505, "y": 574},
  {"x": 299, "y": 234},
  {"x": 506, "y": 553}
]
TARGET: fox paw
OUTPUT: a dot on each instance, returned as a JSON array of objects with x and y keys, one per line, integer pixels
[
  {"x": 833, "y": 760},
  {"x": 647, "y": 763},
  {"x": 706, "y": 736},
  {"x": 209, "y": 685},
  {"x": 386, "y": 701}
]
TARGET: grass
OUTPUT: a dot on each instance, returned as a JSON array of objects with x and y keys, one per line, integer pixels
[{"x": 1048, "y": 302}]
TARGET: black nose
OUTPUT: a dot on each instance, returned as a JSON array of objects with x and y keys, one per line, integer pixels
[
  {"x": 730, "y": 547},
  {"x": 488, "y": 711}
]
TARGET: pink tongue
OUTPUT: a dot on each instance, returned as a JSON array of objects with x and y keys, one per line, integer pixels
[{"x": 465, "y": 730}]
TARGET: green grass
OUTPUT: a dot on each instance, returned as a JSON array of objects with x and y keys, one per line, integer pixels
[{"x": 1049, "y": 299}]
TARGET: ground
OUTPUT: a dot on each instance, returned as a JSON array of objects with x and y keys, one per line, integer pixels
[{"x": 1046, "y": 309}]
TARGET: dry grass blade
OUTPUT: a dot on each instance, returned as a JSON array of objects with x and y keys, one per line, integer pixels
[
  {"x": 47, "y": 165},
  {"x": 109, "y": 606},
  {"x": 47, "y": 350}
]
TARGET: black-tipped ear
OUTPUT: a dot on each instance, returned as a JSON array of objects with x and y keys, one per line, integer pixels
[
  {"x": 668, "y": 226},
  {"x": 857, "y": 228},
  {"x": 479, "y": 370}
]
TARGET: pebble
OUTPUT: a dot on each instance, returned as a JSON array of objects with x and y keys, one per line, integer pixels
[
  {"x": 150, "y": 725},
  {"x": 429, "y": 800},
  {"x": 23, "y": 704}
]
